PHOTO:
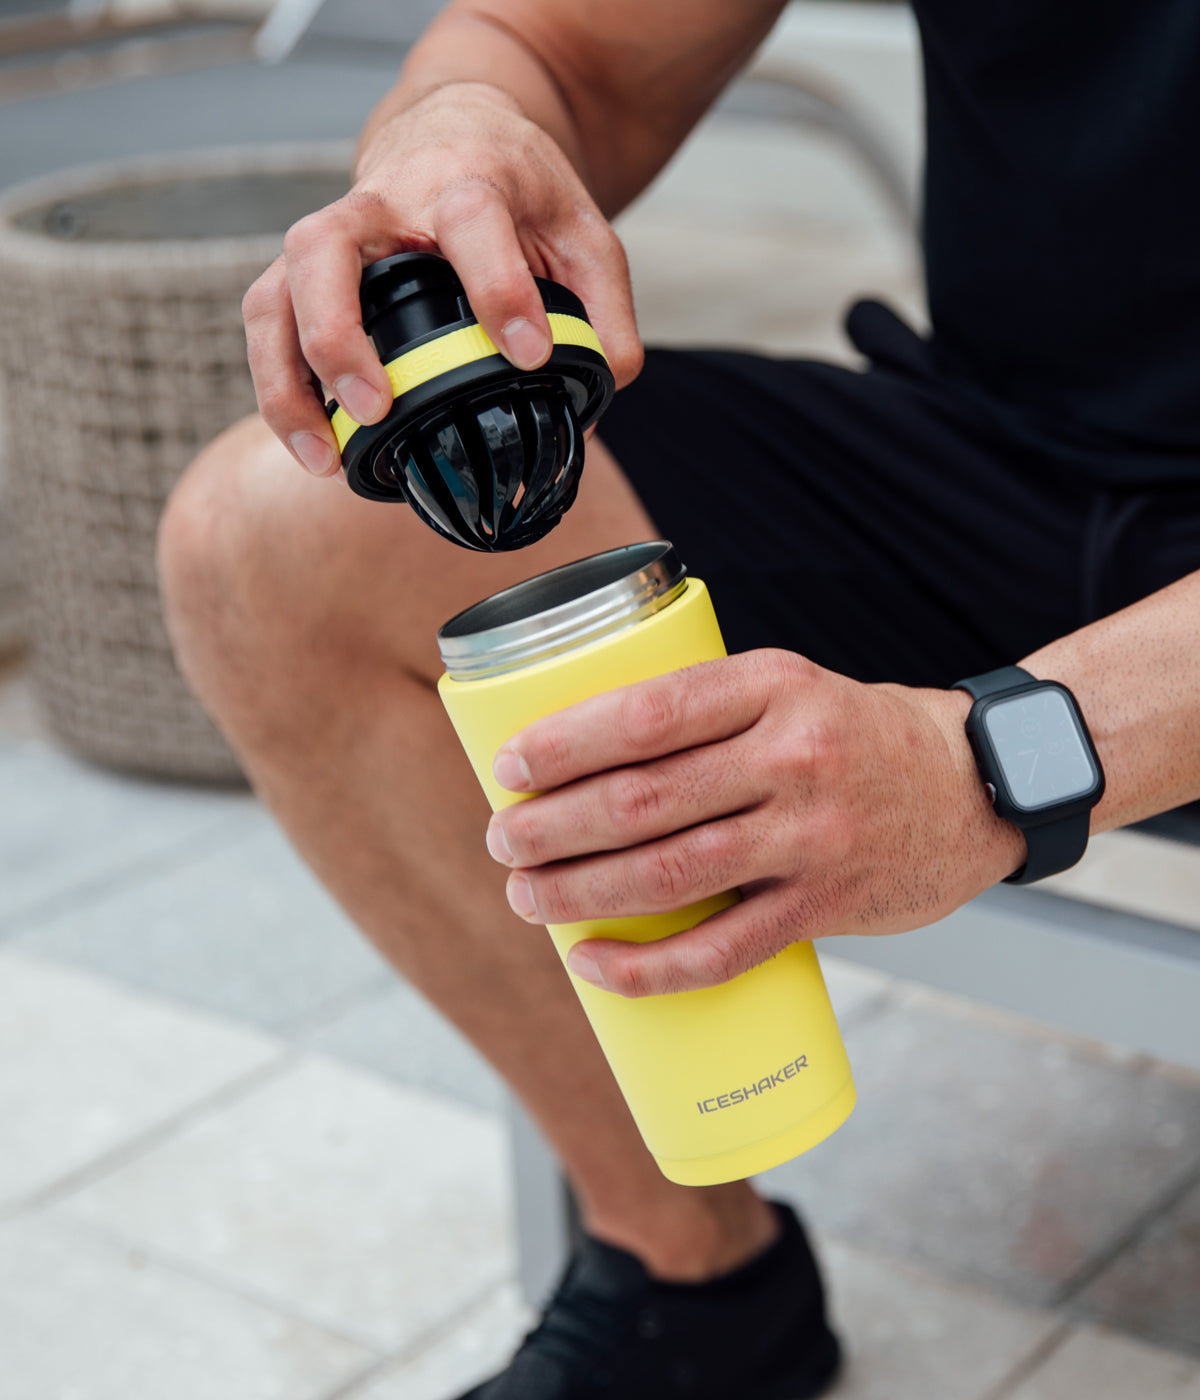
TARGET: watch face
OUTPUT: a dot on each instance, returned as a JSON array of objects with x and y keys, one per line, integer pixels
[{"x": 1040, "y": 749}]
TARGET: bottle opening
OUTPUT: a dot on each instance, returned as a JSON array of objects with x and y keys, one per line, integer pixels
[{"x": 562, "y": 610}]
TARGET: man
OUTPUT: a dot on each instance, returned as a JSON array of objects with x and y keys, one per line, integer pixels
[{"x": 1022, "y": 488}]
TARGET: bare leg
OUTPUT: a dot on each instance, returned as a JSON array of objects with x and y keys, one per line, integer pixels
[{"x": 305, "y": 618}]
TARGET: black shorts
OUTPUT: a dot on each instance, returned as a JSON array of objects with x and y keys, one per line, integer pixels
[{"x": 885, "y": 523}]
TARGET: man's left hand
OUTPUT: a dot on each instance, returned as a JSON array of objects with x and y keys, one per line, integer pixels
[{"x": 836, "y": 807}]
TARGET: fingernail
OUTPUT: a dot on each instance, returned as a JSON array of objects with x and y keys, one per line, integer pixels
[
  {"x": 582, "y": 963},
  {"x": 520, "y": 896},
  {"x": 313, "y": 451},
  {"x": 511, "y": 771},
  {"x": 524, "y": 344},
  {"x": 361, "y": 401},
  {"x": 497, "y": 845}
]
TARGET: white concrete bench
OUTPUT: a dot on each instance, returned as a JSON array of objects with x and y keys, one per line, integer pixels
[{"x": 1105, "y": 952}]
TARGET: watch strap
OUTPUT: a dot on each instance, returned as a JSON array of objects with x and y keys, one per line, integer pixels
[
  {"x": 1052, "y": 848},
  {"x": 992, "y": 682}
]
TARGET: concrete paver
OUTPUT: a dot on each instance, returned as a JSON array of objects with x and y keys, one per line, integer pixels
[
  {"x": 243, "y": 930},
  {"x": 86, "y": 1066},
  {"x": 1153, "y": 1287},
  {"x": 65, "y": 826},
  {"x": 990, "y": 1149},
  {"x": 910, "y": 1335},
  {"x": 396, "y": 1032},
  {"x": 1096, "y": 1365},
  {"x": 855, "y": 992},
  {"x": 82, "y": 1318},
  {"x": 369, "y": 1209},
  {"x": 477, "y": 1345}
]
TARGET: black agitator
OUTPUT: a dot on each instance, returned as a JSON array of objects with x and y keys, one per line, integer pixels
[{"x": 488, "y": 455}]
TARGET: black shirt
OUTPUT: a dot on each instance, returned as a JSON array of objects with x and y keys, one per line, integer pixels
[{"x": 1062, "y": 219}]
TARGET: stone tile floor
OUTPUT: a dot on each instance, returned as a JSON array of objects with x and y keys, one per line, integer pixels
[{"x": 241, "y": 1160}]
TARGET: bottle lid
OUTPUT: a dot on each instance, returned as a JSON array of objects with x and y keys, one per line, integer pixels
[
  {"x": 561, "y": 611},
  {"x": 486, "y": 454}
]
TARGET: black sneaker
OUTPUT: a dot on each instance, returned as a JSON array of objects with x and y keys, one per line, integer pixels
[{"x": 758, "y": 1333}]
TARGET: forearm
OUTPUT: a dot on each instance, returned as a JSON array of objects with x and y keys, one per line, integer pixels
[
  {"x": 463, "y": 46},
  {"x": 1136, "y": 676},
  {"x": 618, "y": 84}
]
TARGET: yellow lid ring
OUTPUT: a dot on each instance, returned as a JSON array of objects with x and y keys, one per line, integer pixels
[{"x": 465, "y": 346}]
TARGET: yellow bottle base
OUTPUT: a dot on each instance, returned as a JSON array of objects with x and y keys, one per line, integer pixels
[{"x": 761, "y": 1156}]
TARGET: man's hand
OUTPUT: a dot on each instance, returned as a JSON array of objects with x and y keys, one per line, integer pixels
[
  {"x": 835, "y": 807},
  {"x": 516, "y": 127},
  {"x": 462, "y": 172}
]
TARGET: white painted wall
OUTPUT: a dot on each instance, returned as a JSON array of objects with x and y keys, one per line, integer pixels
[{"x": 739, "y": 170}]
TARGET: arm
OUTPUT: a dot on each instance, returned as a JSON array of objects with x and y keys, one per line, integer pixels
[
  {"x": 1136, "y": 676},
  {"x": 515, "y": 128},
  {"x": 617, "y": 84},
  {"x": 837, "y": 807}
]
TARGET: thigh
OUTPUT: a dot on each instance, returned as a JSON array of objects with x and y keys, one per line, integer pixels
[
  {"x": 312, "y": 570},
  {"x": 868, "y": 519}
]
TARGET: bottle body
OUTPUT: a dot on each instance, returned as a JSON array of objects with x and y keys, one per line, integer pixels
[{"x": 726, "y": 1081}]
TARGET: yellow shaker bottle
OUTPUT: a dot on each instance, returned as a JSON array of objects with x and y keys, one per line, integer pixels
[{"x": 723, "y": 1082}]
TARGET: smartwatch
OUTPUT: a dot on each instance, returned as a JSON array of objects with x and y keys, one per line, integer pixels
[{"x": 1038, "y": 764}]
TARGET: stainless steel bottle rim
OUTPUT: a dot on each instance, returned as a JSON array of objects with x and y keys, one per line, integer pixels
[{"x": 562, "y": 610}]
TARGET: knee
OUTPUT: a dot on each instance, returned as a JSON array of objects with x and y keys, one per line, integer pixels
[
  {"x": 194, "y": 567},
  {"x": 211, "y": 548},
  {"x": 261, "y": 571}
]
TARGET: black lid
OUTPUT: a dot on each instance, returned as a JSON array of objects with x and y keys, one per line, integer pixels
[
  {"x": 392, "y": 280},
  {"x": 486, "y": 454}
]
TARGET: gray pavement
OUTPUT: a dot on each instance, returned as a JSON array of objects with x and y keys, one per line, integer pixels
[{"x": 230, "y": 105}]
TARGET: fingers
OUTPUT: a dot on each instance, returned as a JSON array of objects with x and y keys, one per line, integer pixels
[
  {"x": 304, "y": 323},
  {"x": 628, "y": 807},
  {"x": 656, "y": 878},
  {"x": 303, "y": 318},
  {"x": 681, "y": 710},
  {"x": 599, "y": 275},
  {"x": 324, "y": 255},
  {"x": 714, "y": 951},
  {"x": 474, "y": 229},
  {"x": 283, "y": 384}
]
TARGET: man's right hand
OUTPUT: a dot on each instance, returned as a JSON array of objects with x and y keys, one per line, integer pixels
[{"x": 462, "y": 172}]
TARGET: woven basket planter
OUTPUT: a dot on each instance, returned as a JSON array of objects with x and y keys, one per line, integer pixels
[
  {"x": 122, "y": 354},
  {"x": 12, "y": 618},
  {"x": 12, "y": 612}
]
